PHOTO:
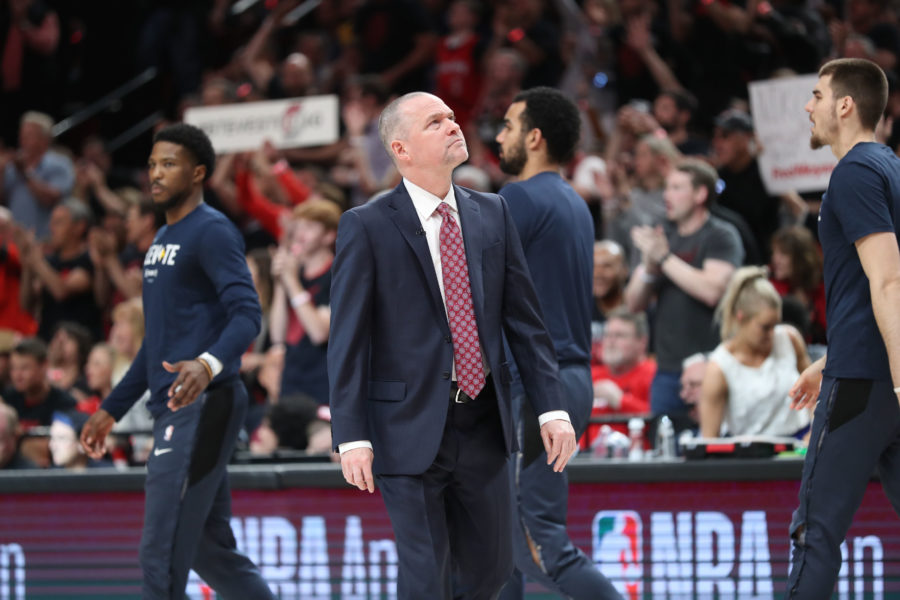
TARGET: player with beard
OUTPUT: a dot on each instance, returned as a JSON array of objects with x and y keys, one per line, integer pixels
[
  {"x": 539, "y": 136},
  {"x": 201, "y": 313},
  {"x": 856, "y": 426}
]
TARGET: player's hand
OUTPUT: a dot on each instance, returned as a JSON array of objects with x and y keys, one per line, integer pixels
[
  {"x": 191, "y": 381},
  {"x": 806, "y": 389},
  {"x": 356, "y": 465},
  {"x": 94, "y": 432},
  {"x": 559, "y": 442}
]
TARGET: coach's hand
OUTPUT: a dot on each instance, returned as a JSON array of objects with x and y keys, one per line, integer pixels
[
  {"x": 356, "y": 465},
  {"x": 559, "y": 442},
  {"x": 193, "y": 377},
  {"x": 94, "y": 432}
]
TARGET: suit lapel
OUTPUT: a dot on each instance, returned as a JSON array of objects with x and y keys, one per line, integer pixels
[
  {"x": 404, "y": 215},
  {"x": 473, "y": 237}
]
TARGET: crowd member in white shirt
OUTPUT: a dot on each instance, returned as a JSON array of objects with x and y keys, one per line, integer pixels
[{"x": 750, "y": 373}]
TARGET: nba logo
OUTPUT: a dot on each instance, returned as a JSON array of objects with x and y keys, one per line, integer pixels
[
  {"x": 619, "y": 550},
  {"x": 169, "y": 431}
]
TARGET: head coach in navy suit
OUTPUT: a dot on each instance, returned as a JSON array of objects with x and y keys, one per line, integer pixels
[{"x": 426, "y": 281}]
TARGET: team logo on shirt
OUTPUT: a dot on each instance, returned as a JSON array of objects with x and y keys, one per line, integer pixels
[{"x": 159, "y": 254}]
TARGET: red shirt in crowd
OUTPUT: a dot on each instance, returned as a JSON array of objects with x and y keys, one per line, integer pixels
[
  {"x": 635, "y": 385},
  {"x": 12, "y": 316},
  {"x": 816, "y": 308}
]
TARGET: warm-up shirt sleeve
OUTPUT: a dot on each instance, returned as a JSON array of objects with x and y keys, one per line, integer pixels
[
  {"x": 862, "y": 208},
  {"x": 222, "y": 259},
  {"x": 130, "y": 388}
]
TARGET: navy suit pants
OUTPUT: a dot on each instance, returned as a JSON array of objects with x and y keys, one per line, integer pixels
[{"x": 452, "y": 522}]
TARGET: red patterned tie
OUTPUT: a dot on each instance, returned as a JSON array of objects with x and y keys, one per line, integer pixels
[{"x": 458, "y": 297}]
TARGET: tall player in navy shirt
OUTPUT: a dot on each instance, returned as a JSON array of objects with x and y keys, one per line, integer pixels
[
  {"x": 201, "y": 313},
  {"x": 856, "y": 427},
  {"x": 539, "y": 136}
]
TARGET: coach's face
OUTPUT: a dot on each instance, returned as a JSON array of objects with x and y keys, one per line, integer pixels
[
  {"x": 173, "y": 174},
  {"x": 433, "y": 137},
  {"x": 822, "y": 111}
]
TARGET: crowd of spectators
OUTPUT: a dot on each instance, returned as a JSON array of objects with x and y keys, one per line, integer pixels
[{"x": 667, "y": 164}]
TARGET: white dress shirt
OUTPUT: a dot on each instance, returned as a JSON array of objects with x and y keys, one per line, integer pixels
[{"x": 426, "y": 205}]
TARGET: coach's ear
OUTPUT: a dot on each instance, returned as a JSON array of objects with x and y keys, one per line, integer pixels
[{"x": 401, "y": 152}]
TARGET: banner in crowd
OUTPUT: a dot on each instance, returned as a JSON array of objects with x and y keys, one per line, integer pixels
[
  {"x": 655, "y": 541},
  {"x": 787, "y": 163},
  {"x": 306, "y": 121}
]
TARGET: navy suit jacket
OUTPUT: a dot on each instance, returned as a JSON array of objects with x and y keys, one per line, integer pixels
[{"x": 390, "y": 350}]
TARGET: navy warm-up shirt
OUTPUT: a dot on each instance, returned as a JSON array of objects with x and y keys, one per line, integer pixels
[
  {"x": 198, "y": 297},
  {"x": 863, "y": 197},
  {"x": 557, "y": 234}
]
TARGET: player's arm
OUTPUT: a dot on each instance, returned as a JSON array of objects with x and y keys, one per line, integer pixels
[
  {"x": 222, "y": 259},
  {"x": 120, "y": 399},
  {"x": 129, "y": 389},
  {"x": 880, "y": 260},
  {"x": 533, "y": 350}
]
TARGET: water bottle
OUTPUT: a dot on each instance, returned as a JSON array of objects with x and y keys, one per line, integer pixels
[
  {"x": 600, "y": 445},
  {"x": 665, "y": 439},
  {"x": 636, "y": 436}
]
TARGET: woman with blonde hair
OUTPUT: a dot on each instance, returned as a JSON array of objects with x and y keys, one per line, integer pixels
[{"x": 750, "y": 372}]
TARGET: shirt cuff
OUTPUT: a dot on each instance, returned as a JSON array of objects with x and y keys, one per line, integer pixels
[
  {"x": 553, "y": 415},
  {"x": 347, "y": 446},
  {"x": 214, "y": 363}
]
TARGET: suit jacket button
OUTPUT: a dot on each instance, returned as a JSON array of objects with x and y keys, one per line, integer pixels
[
  {"x": 446, "y": 374},
  {"x": 448, "y": 339}
]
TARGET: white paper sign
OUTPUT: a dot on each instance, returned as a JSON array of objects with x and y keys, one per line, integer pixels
[
  {"x": 306, "y": 121},
  {"x": 783, "y": 127}
]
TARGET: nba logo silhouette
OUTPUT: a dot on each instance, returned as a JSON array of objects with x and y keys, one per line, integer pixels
[
  {"x": 619, "y": 550},
  {"x": 169, "y": 431}
]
